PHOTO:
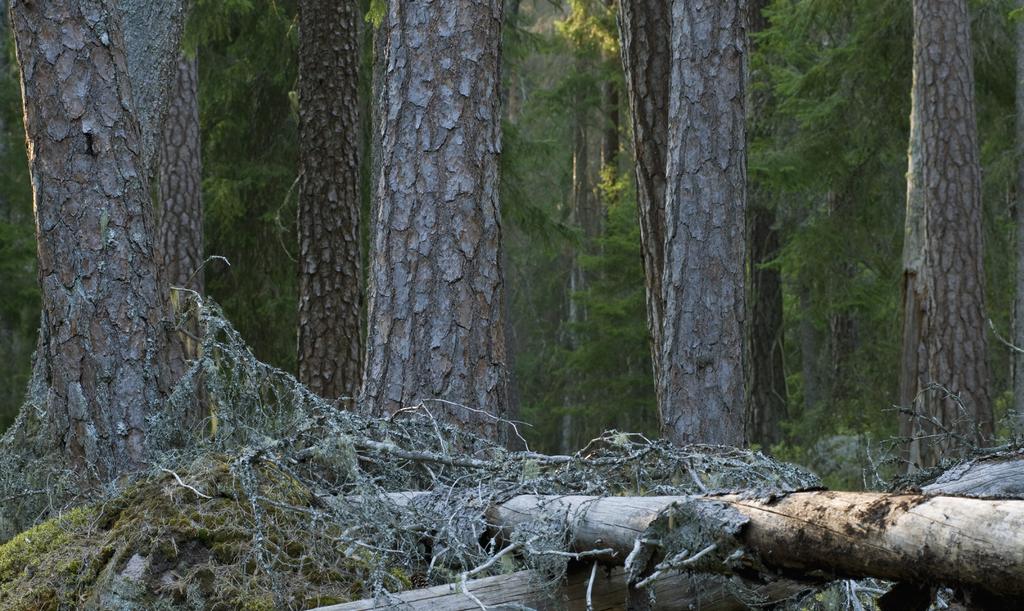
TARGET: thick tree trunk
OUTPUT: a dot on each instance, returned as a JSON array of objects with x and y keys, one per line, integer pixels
[
  {"x": 644, "y": 32},
  {"x": 330, "y": 292},
  {"x": 701, "y": 388},
  {"x": 103, "y": 301},
  {"x": 180, "y": 180},
  {"x": 436, "y": 286},
  {"x": 944, "y": 371},
  {"x": 1018, "y": 309}
]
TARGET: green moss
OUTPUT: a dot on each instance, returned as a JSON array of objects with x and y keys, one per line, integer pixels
[
  {"x": 198, "y": 552},
  {"x": 25, "y": 551}
]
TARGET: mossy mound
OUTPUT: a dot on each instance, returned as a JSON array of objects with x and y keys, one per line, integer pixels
[{"x": 164, "y": 545}]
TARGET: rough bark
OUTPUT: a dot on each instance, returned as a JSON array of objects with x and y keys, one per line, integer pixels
[
  {"x": 700, "y": 388},
  {"x": 180, "y": 180},
  {"x": 152, "y": 32},
  {"x": 102, "y": 344},
  {"x": 436, "y": 287},
  {"x": 330, "y": 348},
  {"x": 644, "y": 32},
  {"x": 1018, "y": 306},
  {"x": 944, "y": 335}
]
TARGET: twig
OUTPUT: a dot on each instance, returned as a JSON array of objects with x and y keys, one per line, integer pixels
[
  {"x": 397, "y": 452},
  {"x": 184, "y": 485},
  {"x": 511, "y": 423},
  {"x": 463, "y": 581},
  {"x": 672, "y": 564},
  {"x": 1004, "y": 341},
  {"x": 590, "y": 588}
]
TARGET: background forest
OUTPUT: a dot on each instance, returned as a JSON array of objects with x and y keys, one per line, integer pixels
[{"x": 827, "y": 164}]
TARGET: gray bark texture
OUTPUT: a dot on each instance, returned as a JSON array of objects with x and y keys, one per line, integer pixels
[
  {"x": 1018, "y": 305},
  {"x": 436, "y": 287},
  {"x": 330, "y": 346},
  {"x": 180, "y": 179},
  {"x": 152, "y": 31},
  {"x": 700, "y": 387},
  {"x": 766, "y": 376},
  {"x": 102, "y": 344},
  {"x": 644, "y": 32},
  {"x": 944, "y": 368}
]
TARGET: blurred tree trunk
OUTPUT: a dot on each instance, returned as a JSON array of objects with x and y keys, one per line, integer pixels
[
  {"x": 701, "y": 385},
  {"x": 180, "y": 226},
  {"x": 1018, "y": 309},
  {"x": 437, "y": 329},
  {"x": 180, "y": 181},
  {"x": 766, "y": 376},
  {"x": 102, "y": 343},
  {"x": 152, "y": 32},
  {"x": 944, "y": 337},
  {"x": 330, "y": 260},
  {"x": 610, "y": 143},
  {"x": 810, "y": 359},
  {"x": 644, "y": 31}
]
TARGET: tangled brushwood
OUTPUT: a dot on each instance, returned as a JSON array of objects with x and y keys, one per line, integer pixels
[{"x": 278, "y": 499}]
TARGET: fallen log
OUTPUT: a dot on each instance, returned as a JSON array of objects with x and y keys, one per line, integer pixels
[
  {"x": 809, "y": 535},
  {"x": 609, "y": 591}
]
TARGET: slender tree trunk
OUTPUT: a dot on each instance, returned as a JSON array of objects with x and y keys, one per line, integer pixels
[
  {"x": 436, "y": 286},
  {"x": 766, "y": 376},
  {"x": 644, "y": 32},
  {"x": 180, "y": 179},
  {"x": 330, "y": 291},
  {"x": 1018, "y": 310},
  {"x": 944, "y": 371},
  {"x": 610, "y": 144},
  {"x": 810, "y": 344},
  {"x": 102, "y": 342},
  {"x": 701, "y": 388}
]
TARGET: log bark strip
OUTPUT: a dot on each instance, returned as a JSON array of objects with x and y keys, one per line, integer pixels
[{"x": 678, "y": 591}]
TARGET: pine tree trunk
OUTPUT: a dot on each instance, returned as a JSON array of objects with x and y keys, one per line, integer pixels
[
  {"x": 701, "y": 389},
  {"x": 766, "y": 376},
  {"x": 436, "y": 286},
  {"x": 181, "y": 203},
  {"x": 644, "y": 31},
  {"x": 944, "y": 341},
  {"x": 1018, "y": 310},
  {"x": 330, "y": 292},
  {"x": 103, "y": 300}
]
